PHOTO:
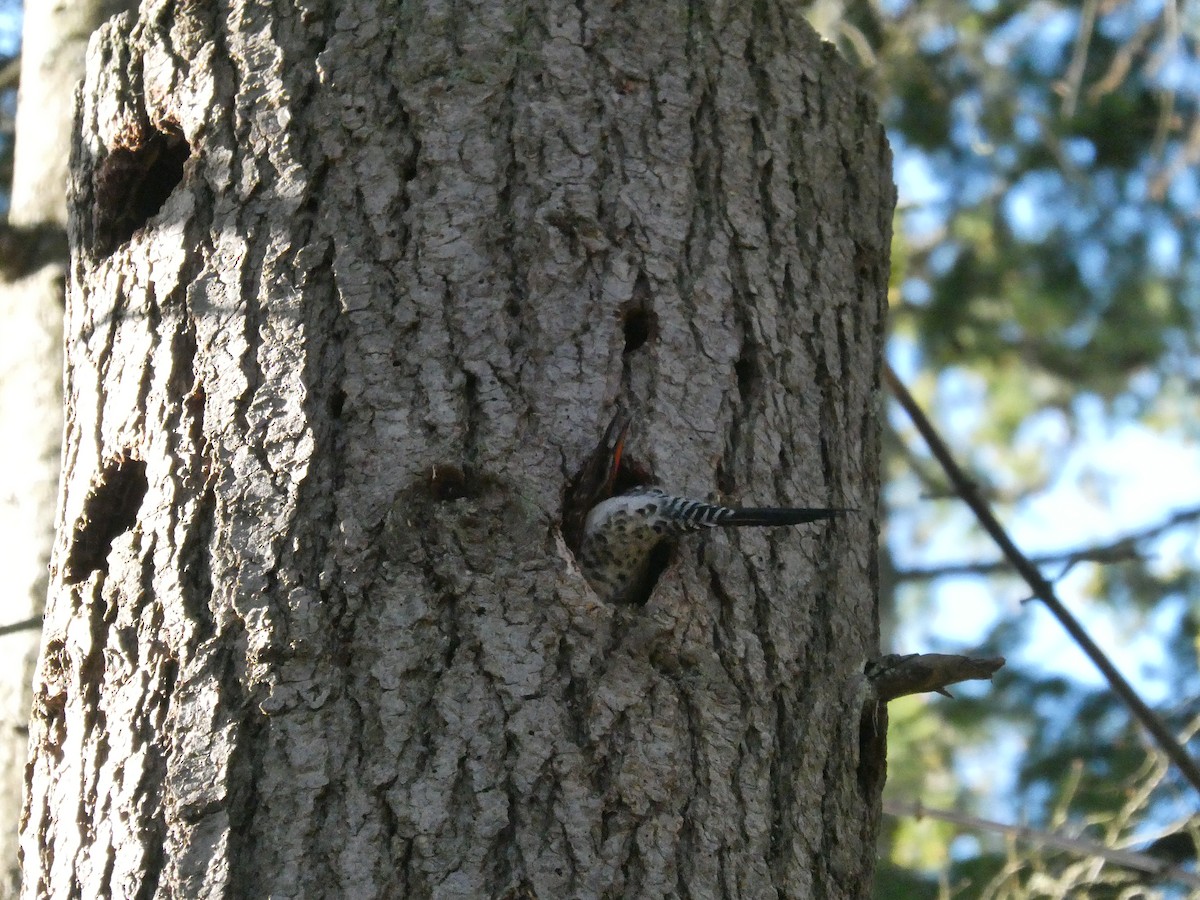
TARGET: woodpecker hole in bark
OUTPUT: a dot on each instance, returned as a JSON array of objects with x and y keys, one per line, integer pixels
[
  {"x": 749, "y": 378},
  {"x": 660, "y": 557},
  {"x": 111, "y": 509},
  {"x": 725, "y": 481},
  {"x": 640, "y": 326},
  {"x": 637, "y": 315},
  {"x": 131, "y": 184},
  {"x": 337, "y": 403},
  {"x": 449, "y": 482}
]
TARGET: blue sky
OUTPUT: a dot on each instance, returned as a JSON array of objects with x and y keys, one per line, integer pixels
[{"x": 1145, "y": 477}]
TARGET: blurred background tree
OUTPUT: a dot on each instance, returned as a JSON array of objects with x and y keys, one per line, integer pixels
[
  {"x": 34, "y": 146},
  {"x": 1045, "y": 296}
]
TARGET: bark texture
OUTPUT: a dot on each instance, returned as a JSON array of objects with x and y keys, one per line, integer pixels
[
  {"x": 357, "y": 285},
  {"x": 32, "y": 276}
]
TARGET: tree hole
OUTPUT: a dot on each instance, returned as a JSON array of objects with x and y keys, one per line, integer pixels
[
  {"x": 448, "y": 483},
  {"x": 725, "y": 481},
  {"x": 749, "y": 378},
  {"x": 639, "y": 328},
  {"x": 109, "y": 511},
  {"x": 337, "y": 403},
  {"x": 132, "y": 184},
  {"x": 640, "y": 323}
]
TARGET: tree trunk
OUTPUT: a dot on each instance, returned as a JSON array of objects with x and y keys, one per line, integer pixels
[
  {"x": 33, "y": 263},
  {"x": 356, "y": 288}
]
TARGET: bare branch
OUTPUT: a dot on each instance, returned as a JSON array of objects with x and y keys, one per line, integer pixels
[
  {"x": 1042, "y": 589},
  {"x": 10, "y": 73},
  {"x": 24, "y": 625},
  {"x": 1068, "y": 88},
  {"x": 24, "y": 248},
  {"x": 1122, "y": 62},
  {"x": 1122, "y": 549},
  {"x": 1127, "y": 858}
]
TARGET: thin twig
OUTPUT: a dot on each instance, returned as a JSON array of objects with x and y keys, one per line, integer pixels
[
  {"x": 10, "y": 74},
  {"x": 1127, "y": 858},
  {"x": 1120, "y": 549},
  {"x": 1041, "y": 587},
  {"x": 1122, "y": 61},
  {"x": 1069, "y": 86},
  {"x": 24, "y": 625}
]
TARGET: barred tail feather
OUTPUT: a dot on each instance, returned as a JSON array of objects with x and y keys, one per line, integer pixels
[
  {"x": 771, "y": 517},
  {"x": 689, "y": 515}
]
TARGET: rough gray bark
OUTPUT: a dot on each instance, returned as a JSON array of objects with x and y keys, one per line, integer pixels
[
  {"x": 314, "y": 630},
  {"x": 32, "y": 271}
]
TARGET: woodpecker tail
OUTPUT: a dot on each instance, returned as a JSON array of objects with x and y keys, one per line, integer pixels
[
  {"x": 681, "y": 514},
  {"x": 770, "y": 517}
]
